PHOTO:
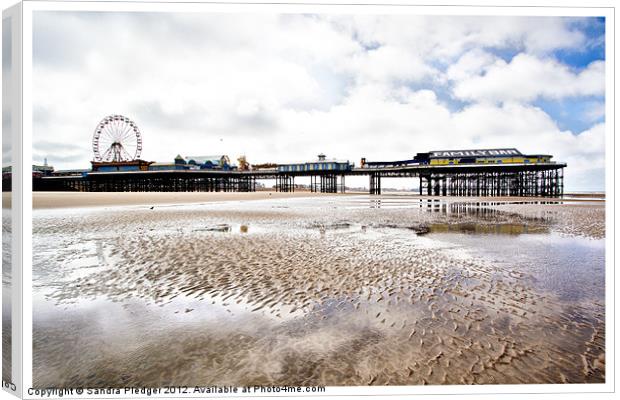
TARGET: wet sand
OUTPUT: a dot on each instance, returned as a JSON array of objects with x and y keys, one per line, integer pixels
[
  {"x": 332, "y": 290},
  {"x": 107, "y": 199}
]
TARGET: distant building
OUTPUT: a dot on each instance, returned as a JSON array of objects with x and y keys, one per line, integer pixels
[
  {"x": 208, "y": 162},
  {"x": 120, "y": 166},
  {"x": 480, "y": 156},
  {"x": 70, "y": 172},
  {"x": 42, "y": 170},
  {"x": 179, "y": 160},
  {"x": 321, "y": 164},
  {"x": 163, "y": 166}
]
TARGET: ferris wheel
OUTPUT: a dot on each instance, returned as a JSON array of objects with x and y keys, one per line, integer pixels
[{"x": 116, "y": 139}]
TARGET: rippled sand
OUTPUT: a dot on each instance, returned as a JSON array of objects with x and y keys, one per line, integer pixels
[{"x": 329, "y": 291}]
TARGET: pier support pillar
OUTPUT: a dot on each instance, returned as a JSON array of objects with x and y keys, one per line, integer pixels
[
  {"x": 285, "y": 183},
  {"x": 375, "y": 184},
  {"x": 328, "y": 183}
]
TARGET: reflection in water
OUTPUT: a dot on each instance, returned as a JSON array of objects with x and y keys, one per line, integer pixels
[
  {"x": 322, "y": 293},
  {"x": 498, "y": 229},
  {"x": 449, "y": 205}
]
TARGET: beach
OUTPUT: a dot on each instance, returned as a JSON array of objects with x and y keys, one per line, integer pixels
[
  {"x": 265, "y": 288},
  {"x": 83, "y": 199}
]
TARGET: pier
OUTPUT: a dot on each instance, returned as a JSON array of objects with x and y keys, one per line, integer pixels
[
  {"x": 475, "y": 172},
  {"x": 519, "y": 179}
]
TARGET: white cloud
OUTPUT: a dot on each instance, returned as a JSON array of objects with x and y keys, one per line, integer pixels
[
  {"x": 470, "y": 65},
  {"x": 446, "y": 37},
  {"x": 388, "y": 63},
  {"x": 527, "y": 78}
]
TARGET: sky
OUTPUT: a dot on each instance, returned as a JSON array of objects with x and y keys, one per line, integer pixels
[{"x": 286, "y": 87}]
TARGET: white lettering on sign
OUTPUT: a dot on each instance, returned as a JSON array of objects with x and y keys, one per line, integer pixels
[{"x": 476, "y": 153}]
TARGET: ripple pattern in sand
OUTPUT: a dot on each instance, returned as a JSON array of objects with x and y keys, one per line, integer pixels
[{"x": 314, "y": 297}]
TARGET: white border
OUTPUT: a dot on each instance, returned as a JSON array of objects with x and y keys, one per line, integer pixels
[
  {"x": 608, "y": 13},
  {"x": 265, "y": 7},
  {"x": 610, "y": 201},
  {"x": 14, "y": 98}
]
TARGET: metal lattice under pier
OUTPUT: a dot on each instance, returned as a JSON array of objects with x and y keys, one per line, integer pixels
[
  {"x": 327, "y": 183},
  {"x": 543, "y": 183}
]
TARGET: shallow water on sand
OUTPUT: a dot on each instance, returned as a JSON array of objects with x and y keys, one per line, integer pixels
[{"x": 322, "y": 291}]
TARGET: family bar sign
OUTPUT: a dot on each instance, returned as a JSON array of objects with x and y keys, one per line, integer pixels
[{"x": 475, "y": 153}]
